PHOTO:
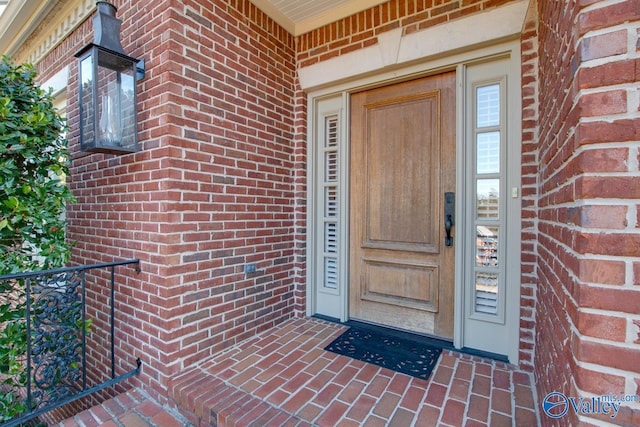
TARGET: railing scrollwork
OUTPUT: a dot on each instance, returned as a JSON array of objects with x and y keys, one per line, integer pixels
[{"x": 57, "y": 327}]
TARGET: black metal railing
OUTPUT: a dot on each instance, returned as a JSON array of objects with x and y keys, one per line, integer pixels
[{"x": 58, "y": 329}]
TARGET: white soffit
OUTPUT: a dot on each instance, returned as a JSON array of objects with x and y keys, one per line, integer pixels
[
  {"x": 301, "y": 16},
  {"x": 394, "y": 48}
]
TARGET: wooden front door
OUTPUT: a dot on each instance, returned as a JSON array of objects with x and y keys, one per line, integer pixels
[{"x": 402, "y": 163}]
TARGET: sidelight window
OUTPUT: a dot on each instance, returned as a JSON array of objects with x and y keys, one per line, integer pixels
[
  {"x": 331, "y": 202},
  {"x": 488, "y": 137}
]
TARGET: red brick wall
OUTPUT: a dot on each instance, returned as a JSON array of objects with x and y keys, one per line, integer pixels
[
  {"x": 552, "y": 356},
  {"x": 588, "y": 294},
  {"x": 529, "y": 278},
  {"x": 300, "y": 197},
  {"x": 214, "y": 187}
]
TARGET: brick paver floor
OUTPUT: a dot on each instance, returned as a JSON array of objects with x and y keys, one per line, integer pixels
[{"x": 283, "y": 377}]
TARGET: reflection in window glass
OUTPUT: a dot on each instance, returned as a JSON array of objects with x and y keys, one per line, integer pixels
[
  {"x": 488, "y": 198},
  {"x": 87, "y": 114},
  {"x": 486, "y": 246},
  {"x": 488, "y": 152},
  {"x": 488, "y": 106},
  {"x": 486, "y": 293}
]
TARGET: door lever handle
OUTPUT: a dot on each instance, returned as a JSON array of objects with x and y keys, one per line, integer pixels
[
  {"x": 448, "y": 240},
  {"x": 449, "y": 215}
]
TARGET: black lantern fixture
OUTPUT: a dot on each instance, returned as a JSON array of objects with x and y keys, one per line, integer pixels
[{"x": 107, "y": 88}]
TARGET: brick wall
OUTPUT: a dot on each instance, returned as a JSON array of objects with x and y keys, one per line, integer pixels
[
  {"x": 587, "y": 314},
  {"x": 529, "y": 177},
  {"x": 213, "y": 188},
  {"x": 300, "y": 197}
]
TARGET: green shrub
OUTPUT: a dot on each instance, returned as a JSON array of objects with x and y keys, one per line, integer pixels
[{"x": 34, "y": 163}]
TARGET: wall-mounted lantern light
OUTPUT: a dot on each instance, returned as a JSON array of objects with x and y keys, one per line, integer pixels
[{"x": 107, "y": 88}]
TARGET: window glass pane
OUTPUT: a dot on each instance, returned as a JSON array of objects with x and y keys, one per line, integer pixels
[
  {"x": 486, "y": 246},
  {"x": 488, "y": 152},
  {"x": 488, "y": 198},
  {"x": 488, "y": 105},
  {"x": 486, "y": 293}
]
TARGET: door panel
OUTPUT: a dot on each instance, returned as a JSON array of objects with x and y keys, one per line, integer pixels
[
  {"x": 401, "y": 190},
  {"x": 414, "y": 285},
  {"x": 402, "y": 163}
]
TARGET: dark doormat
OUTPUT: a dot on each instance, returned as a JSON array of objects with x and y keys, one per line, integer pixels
[{"x": 388, "y": 350}]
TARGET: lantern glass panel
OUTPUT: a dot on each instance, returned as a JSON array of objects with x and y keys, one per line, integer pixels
[
  {"x": 116, "y": 102},
  {"x": 87, "y": 113}
]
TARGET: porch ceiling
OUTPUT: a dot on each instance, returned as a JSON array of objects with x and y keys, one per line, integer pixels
[{"x": 301, "y": 16}]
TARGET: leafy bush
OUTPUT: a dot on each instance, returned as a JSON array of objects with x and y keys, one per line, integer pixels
[{"x": 33, "y": 167}]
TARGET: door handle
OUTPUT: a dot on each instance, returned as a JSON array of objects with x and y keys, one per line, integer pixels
[{"x": 449, "y": 216}]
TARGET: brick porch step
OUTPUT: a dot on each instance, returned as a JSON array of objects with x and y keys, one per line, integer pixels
[
  {"x": 206, "y": 400},
  {"x": 134, "y": 408}
]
